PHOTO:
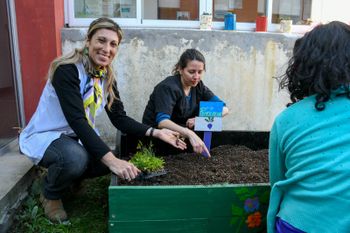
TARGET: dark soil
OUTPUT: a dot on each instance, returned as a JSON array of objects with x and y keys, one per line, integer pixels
[{"x": 228, "y": 164}]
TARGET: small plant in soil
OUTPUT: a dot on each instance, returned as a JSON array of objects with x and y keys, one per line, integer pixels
[{"x": 146, "y": 160}]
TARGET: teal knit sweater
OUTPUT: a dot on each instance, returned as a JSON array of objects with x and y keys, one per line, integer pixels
[{"x": 310, "y": 166}]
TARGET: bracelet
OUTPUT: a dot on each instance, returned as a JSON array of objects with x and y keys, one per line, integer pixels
[{"x": 151, "y": 133}]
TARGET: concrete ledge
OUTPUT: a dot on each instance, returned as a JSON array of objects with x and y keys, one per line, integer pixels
[{"x": 16, "y": 175}]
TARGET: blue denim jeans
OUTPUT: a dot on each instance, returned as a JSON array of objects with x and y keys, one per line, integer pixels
[{"x": 67, "y": 161}]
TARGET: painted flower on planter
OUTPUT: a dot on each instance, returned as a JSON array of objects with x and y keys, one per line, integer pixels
[
  {"x": 254, "y": 220},
  {"x": 251, "y": 204},
  {"x": 250, "y": 208}
]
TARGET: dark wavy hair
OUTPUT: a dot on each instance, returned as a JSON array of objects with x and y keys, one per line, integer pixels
[
  {"x": 320, "y": 63},
  {"x": 187, "y": 56}
]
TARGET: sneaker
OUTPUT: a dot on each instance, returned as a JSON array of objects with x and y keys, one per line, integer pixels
[{"x": 54, "y": 210}]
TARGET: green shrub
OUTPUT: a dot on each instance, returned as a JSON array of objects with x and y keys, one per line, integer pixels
[{"x": 145, "y": 159}]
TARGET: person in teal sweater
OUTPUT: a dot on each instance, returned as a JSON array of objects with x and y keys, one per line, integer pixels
[{"x": 310, "y": 140}]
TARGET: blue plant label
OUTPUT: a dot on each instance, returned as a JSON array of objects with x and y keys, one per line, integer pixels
[
  {"x": 210, "y": 109},
  {"x": 211, "y": 124}
]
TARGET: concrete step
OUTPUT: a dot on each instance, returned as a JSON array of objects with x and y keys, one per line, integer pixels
[{"x": 16, "y": 175}]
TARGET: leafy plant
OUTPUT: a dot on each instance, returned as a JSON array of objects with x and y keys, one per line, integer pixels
[{"x": 146, "y": 160}]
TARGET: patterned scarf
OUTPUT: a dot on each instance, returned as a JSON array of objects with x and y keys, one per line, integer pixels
[{"x": 93, "y": 93}]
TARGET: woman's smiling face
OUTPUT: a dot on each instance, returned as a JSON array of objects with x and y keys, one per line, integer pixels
[{"x": 103, "y": 47}]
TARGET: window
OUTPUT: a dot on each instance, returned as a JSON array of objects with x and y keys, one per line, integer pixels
[
  {"x": 246, "y": 11},
  {"x": 159, "y": 13},
  {"x": 171, "y": 10},
  {"x": 297, "y": 10},
  {"x": 186, "y": 13},
  {"x": 111, "y": 8}
]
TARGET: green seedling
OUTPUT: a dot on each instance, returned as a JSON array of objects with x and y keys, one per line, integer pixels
[{"x": 146, "y": 160}]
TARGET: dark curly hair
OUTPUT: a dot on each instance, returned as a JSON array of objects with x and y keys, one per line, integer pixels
[{"x": 320, "y": 64}]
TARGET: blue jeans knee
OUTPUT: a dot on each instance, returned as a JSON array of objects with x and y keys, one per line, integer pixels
[{"x": 66, "y": 160}]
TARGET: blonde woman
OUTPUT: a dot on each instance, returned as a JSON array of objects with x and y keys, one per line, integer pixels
[{"x": 62, "y": 137}]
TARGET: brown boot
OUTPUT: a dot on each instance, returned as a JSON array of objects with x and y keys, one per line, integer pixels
[{"x": 54, "y": 210}]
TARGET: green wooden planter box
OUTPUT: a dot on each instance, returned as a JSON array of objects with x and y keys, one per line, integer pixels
[{"x": 188, "y": 208}]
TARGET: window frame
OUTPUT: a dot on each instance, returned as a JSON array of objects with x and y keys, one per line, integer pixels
[
  {"x": 204, "y": 6},
  {"x": 85, "y": 22}
]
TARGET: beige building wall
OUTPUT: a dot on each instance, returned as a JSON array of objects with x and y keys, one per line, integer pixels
[{"x": 326, "y": 11}]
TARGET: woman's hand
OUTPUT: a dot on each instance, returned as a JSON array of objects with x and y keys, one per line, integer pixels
[
  {"x": 121, "y": 168},
  {"x": 171, "y": 137},
  {"x": 225, "y": 111},
  {"x": 197, "y": 143},
  {"x": 190, "y": 123}
]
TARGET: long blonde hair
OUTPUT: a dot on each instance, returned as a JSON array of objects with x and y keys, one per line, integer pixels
[{"x": 80, "y": 55}]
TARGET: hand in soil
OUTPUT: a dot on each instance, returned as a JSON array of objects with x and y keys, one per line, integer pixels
[
  {"x": 197, "y": 143},
  {"x": 121, "y": 168},
  {"x": 170, "y": 137}
]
